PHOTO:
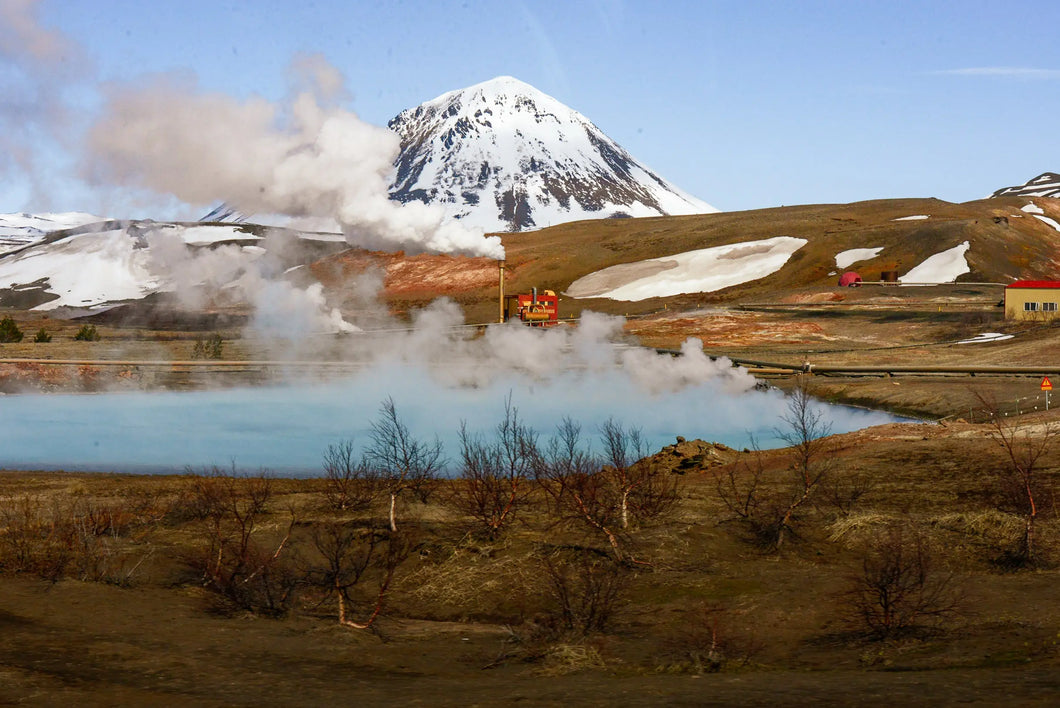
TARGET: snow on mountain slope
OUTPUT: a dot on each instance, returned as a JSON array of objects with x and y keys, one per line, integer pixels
[
  {"x": 115, "y": 262},
  {"x": 701, "y": 271},
  {"x": 845, "y": 259},
  {"x": 20, "y": 230},
  {"x": 504, "y": 156},
  {"x": 944, "y": 267},
  {"x": 1046, "y": 184}
]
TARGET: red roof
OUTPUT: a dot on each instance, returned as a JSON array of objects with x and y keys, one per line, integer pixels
[{"x": 1035, "y": 284}]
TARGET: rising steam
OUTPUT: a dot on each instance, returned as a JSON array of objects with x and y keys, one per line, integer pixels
[{"x": 303, "y": 157}]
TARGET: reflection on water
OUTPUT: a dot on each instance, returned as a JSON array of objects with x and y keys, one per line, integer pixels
[{"x": 286, "y": 428}]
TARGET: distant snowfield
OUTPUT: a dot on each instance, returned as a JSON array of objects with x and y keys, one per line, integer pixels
[
  {"x": 19, "y": 230},
  {"x": 701, "y": 271},
  {"x": 915, "y": 217},
  {"x": 83, "y": 270},
  {"x": 1033, "y": 208},
  {"x": 845, "y": 258},
  {"x": 986, "y": 337},
  {"x": 98, "y": 267},
  {"x": 942, "y": 267}
]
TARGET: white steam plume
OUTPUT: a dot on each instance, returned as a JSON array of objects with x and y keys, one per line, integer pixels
[
  {"x": 232, "y": 275},
  {"x": 304, "y": 157}
]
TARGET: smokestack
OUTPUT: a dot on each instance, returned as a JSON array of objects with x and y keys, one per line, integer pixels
[{"x": 500, "y": 263}]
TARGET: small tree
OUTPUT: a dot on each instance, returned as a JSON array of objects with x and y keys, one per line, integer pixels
[
  {"x": 494, "y": 476},
  {"x": 9, "y": 331},
  {"x": 1022, "y": 486},
  {"x": 350, "y": 556},
  {"x": 897, "y": 588},
  {"x": 87, "y": 333},
  {"x": 233, "y": 560},
  {"x": 401, "y": 461},
  {"x": 772, "y": 513},
  {"x": 610, "y": 494},
  {"x": 350, "y": 484},
  {"x": 584, "y": 589},
  {"x": 42, "y": 336}
]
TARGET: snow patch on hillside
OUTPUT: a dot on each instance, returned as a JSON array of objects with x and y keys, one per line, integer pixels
[
  {"x": 915, "y": 217},
  {"x": 701, "y": 271},
  {"x": 1033, "y": 208},
  {"x": 944, "y": 267},
  {"x": 83, "y": 270},
  {"x": 1047, "y": 220},
  {"x": 986, "y": 337},
  {"x": 844, "y": 259}
]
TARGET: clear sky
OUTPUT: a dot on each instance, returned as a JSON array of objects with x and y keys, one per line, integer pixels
[{"x": 743, "y": 104}]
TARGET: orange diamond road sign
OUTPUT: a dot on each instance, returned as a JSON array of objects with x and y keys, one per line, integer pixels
[{"x": 1047, "y": 385}]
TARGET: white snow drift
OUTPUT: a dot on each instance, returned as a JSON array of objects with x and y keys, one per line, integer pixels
[
  {"x": 701, "y": 271},
  {"x": 844, "y": 259},
  {"x": 944, "y": 267}
]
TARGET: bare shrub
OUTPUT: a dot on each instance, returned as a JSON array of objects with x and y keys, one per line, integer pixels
[
  {"x": 233, "y": 558},
  {"x": 350, "y": 483},
  {"x": 772, "y": 512},
  {"x": 494, "y": 475},
  {"x": 79, "y": 538},
  {"x": 34, "y": 540},
  {"x": 402, "y": 462},
  {"x": 356, "y": 566},
  {"x": 584, "y": 590},
  {"x": 709, "y": 639},
  {"x": 609, "y": 495},
  {"x": 898, "y": 589}
]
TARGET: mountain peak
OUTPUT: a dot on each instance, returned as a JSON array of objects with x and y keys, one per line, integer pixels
[
  {"x": 504, "y": 156},
  {"x": 1046, "y": 184}
]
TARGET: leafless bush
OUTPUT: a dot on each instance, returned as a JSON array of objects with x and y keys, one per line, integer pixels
[
  {"x": 350, "y": 484},
  {"x": 609, "y": 495},
  {"x": 709, "y": 639},
  {"x": 34, "y": 540},
  {"x": 356, "y": 566},
  {"x": 898, "y": 589},
  {"x": 79, "y": 538},
  {"x": 402, "y": 462},
  {"x": 584, "y": 590},
  {"x": 494, "y": 475},
  {"x": 233, "y": 558},
  {"x": 771, "y": 512}
]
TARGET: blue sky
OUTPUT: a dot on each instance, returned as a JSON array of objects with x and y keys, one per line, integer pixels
[{"x": 743, "y": 104}]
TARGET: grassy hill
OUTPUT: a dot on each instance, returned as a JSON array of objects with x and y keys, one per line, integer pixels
[{"x": 1006, "y": 244}]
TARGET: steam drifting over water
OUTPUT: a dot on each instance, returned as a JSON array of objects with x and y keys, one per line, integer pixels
[{"x": 437, "y": 378}]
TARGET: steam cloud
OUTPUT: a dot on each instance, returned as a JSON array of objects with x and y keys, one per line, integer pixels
[
  {"x": 304, "y": 157},
  {"x": 37, "y": 66}
]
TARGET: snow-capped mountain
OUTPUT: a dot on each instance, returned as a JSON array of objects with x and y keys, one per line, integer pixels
[
  {"x": 1046, "y": 184},
  {"x": 504, "y": 156}
]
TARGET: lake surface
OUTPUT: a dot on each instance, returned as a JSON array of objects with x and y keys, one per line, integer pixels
[{"x": 286, "y": 428}]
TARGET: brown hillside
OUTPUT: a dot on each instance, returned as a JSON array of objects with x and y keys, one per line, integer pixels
[{"x": 1006, "y": 244}]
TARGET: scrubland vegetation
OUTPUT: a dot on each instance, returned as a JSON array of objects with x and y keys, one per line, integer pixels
[{"x": 576, "y": 553}]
